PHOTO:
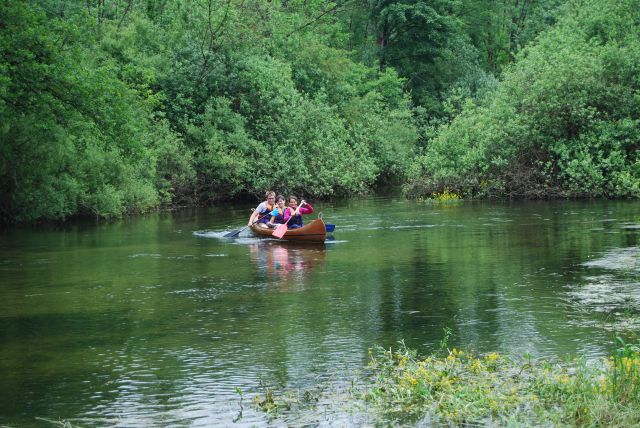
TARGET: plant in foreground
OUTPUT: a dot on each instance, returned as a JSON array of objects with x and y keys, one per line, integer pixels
[
  {"x": 459, "y": 388},
  {"x": 462, "y": 388}
]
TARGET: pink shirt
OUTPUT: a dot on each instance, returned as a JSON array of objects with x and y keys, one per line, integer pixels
[{"x": 305, "y": 209}]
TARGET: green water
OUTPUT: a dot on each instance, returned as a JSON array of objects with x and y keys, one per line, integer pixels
[{"x": 159, "y": 321}]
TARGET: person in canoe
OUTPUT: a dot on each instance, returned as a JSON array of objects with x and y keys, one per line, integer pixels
[
  {"x": 296, "y": 220},
  {"x": 263, "y": 212},
  {"x": 278, "y": 213}
]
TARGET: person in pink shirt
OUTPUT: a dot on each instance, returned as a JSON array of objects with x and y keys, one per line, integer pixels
[{"x": 296, "y": 218}]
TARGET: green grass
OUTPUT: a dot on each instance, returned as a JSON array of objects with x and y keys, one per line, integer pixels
[
  {"x": 460, "y": 388},
  {"x": 457, "y": 388}
]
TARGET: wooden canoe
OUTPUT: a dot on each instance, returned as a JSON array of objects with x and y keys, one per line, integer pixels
[{"x": 311, "y": 232}]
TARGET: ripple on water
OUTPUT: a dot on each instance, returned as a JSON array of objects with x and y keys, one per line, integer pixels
[
  {"x": 606, "y": 293},
  {"x": 614, "y": 294},
  {"x": 243, "y": 237},
  {"x": 139, "y": 255},
  {"x": 211, "y": 288},
  {"x": 249, "y": 240},
  {"x": 618, "y": 259},
  {"x": 211, "y": 233},
  {"x": 414, "y": 226},
  {"x": 631, "y": 226}
]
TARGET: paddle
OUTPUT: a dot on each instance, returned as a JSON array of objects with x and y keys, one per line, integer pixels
[
  {"x": 282, "y": 228},
  {"x": 235, "y": 233},
  {"x": 330, "y": 227}
]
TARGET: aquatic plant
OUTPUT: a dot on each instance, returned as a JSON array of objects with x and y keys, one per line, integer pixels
[
  {"x": 445, "y": 196},
  {"x": 460, "y": 388},
  {"x": 452, "y": 387},
  {"x": 60, "y": 423},
  {"x": 625, "y": 369}
]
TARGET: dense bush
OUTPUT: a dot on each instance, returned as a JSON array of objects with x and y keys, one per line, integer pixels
[
  {"x": 75, "y": 138},
  {"x": 116, "y": 107},
  {"x": 120, "y": 106},
  {"x": 565, "y": 121}
]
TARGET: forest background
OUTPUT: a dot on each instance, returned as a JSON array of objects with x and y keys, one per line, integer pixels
[{"x": 112, "y": 107}]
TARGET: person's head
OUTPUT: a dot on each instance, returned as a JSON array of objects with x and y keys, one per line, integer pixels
[
  {"x": 280, "y": 201},
  {"x": 293, "y": 202},
  {"x": 270, "y": 196}
]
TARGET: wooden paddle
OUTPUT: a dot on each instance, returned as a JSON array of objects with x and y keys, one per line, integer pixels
[{"x": 282, "y": 228}]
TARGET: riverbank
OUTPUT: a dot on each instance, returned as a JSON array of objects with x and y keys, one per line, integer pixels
[{"x": 453, "y": 387}]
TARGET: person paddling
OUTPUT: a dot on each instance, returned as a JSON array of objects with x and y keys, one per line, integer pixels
[
  {"x": 277, "y": 215},
  {"x": 263, "y": 212},
  {"x": 296, "y": 220}
]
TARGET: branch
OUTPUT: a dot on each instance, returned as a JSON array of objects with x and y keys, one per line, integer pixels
[
  {"x": 126, "y": 11},
  {"x": 213, "y": 35},
  {"x": 314, "y": 20}
]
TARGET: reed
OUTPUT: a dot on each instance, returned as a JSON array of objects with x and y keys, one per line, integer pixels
[{"x": 458, "y": 388}]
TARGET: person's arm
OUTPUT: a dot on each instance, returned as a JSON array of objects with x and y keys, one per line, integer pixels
[
  {"x": 252, "y": 218},
  {"x": 273, "y": 215},
  {"x": 255, "y": 214},
  {"x": 287, "y": 214},
  {"x": 306, "y": 208}
]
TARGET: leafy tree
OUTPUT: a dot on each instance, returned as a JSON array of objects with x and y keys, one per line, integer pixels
[
  {"x": 117, "y": 106},
  {"x": 499, "y": 30},
  {"x": 74, "y": 137},
  {"x": 563, "y": 123}
]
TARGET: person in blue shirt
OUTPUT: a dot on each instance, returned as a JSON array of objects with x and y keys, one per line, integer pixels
[{"x": 278, "y": 213}]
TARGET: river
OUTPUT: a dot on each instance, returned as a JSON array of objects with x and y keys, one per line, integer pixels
[{"x": 160, "y": 321}]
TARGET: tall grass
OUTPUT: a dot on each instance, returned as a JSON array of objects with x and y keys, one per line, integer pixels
[
  {"x": 454, "y": 387},
  {"x": 461, "y": 388},
  {"x": 625, "y": 368}
]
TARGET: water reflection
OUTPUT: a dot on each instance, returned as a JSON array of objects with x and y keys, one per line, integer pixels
[{"x": 286, "y": 261}]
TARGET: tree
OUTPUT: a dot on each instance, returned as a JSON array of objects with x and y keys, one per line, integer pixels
[{"x": 564, "y": 122}]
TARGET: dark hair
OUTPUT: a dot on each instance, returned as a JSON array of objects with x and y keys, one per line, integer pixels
[
  {"x": 293, "y": 197},
  {"x": 279, "y": 197}
]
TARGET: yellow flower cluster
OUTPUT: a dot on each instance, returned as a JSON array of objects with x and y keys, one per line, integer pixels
[
  {"x": 630, "y": 365},
  {"x": 459, "y": 387},
  {"x": 446, "y": 196}
]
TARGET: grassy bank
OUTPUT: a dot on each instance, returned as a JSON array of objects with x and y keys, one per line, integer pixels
[{"x": 459, "y": 388}]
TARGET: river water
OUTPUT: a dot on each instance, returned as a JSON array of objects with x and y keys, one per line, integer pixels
[{"x": 160, "y": 321}]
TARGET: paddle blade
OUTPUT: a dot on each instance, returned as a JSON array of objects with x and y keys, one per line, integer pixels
[
  {"x": 235, "y": 233},
  {"x": 330, "y": 227},
  {"x": 232, "y": 234},
  {"x": 280, "y": 231}
]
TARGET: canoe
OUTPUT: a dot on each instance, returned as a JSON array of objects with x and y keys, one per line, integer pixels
[{"x": 311, "y": 232}]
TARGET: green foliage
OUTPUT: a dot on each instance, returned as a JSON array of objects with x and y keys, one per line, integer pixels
[
  {"x": 499, "y": 30},
  {"x": 564, "y": 121},
  {"x": 75, "y": 138},
  {"x": 461, "y": 388},
  {"x": 625, "y": 372},
  {"x": 425, "y": 41},
  {"x": 115, "y": 107}
]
